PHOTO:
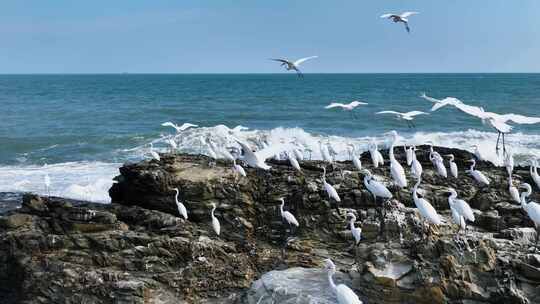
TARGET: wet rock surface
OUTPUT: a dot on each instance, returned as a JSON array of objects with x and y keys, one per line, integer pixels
[{"x": 139, "y": 250}]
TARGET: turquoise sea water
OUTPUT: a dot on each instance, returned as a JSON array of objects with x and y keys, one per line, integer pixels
[{"x": 84, "y": 126}]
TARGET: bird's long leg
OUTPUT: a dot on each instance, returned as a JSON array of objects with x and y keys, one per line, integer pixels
[
  {"x": 413, "y": 124},
  {"x": 504, "y": 145},
  {"x": 497, "y": 146}
]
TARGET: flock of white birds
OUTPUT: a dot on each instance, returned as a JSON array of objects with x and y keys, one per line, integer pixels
[{"x": 295, "y": 152}]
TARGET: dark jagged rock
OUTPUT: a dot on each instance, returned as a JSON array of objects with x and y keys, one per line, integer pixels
[{"x": 139, "y": 250}]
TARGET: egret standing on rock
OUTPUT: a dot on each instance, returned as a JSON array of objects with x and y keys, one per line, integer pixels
[
  {"x": 355, "y": 159},
  {"x": 344, "y": 294},
  {"x": 453, "y": 166},
  {"x": 396, "y": 170},
  {"x": 513, "y": 191},
  {"x": 215, "y": 221},
  {"x": 238, "y": 170},
  {"x": 478, "y": 176},
  {"x": 153, "y": 153},
  {"x": 356, "y": 231},
  {"x": 376, "y": 156},
  {"x": 424, "y": 207},
  {"x": 375, "y": 187},
  {"x": 294, "y": 65},
  {"x": 409, "y": 154},
  {"x": 534, "y": 173},
  {"x": 532, "y": 209},
  {"x": 438, "y": 162},
  {"x": 460, "y": 206},
  {"x": 287, "y": 216},
  {"x": 400, "y": 18},
  {"x": 294, "y": 162},
  {"x": 181, "y": 208},
  {"x": 416, "y": 166},
  {"x": 330, "y": 190}
]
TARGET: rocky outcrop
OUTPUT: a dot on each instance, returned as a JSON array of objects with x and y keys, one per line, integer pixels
[{"x": 139, "y": 250}]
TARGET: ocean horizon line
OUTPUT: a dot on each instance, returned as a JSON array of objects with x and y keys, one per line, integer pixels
[{"x": 278, "y": 73}]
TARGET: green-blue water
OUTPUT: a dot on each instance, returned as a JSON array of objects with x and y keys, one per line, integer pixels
[{"x": 84, "y": 126}]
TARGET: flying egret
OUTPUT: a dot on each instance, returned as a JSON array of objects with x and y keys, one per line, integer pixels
[
  {"x": 534, "y": 173},
  {"x": 396, "y": 170},
  {"x": 376, "y": 156},
  {"x": 424, "y": 207},
  {"x": 513, "y": 191},
  {"x": 153, "y": 153},
  {"x": 416, "y": 166},
  {"x": 408, "y": 116},
  {"x": 460, "y": 206},
  {"x": 375, "y": 187},
  {"x": 330, "y": 190},
  {"x": 409, "y": 154},
  {"x": 403, "y": 17},
  {"x": 532, "y": 208},
  {"x": 178, "y": 128},
  {"x": 344, "y": 294},
  {"x": 356, "y": 231},
  {"x": 437, "y": 104},
  {"x": 355, "y": 159},
  {"x": 289, "y": 217},
  {"x": 477, "y": 175},
  {"x": 215, "y": 221},
  {"x": 294, "y": 65},
  {"x": 258, "y": 159},
  {"x": 497, "y": 121},
  {"x": 453, "y": 166},
  {"x": 181, "y": 208},
  {"x": 346, "y": 107}
]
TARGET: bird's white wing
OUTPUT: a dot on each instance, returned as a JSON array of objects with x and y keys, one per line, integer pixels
[
  {"x": 501, "y": 125},
  {"x": 334, "y": 105},
  {"x": 520, "y": 119},
  {"x": 407, "y": 14},
  {"x": 187, "y": 125},
  {"x": 472, "y": 110},
  {"x": 300, "y": 61},
  {"x": 168, "y": 124},
  {"x": 389, "y": 112},
  {"x": 357, "y": 103},
  {"x": 434, "y": 100},
  {"x": 415, "y": 113},
  {"x": 273, "y": 150},
  {"x": 239, "y": 128},
  {"x": 387, "y": 15}
]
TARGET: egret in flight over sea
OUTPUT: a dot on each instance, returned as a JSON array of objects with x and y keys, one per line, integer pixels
[
  {"x": 437, "y": 104},
  {"x": 403, "y": 17},
  {"x": 346, "y": 107},
  {"x": 408, "y": 116},
  {"x": 294, "y": 65},
  {"x": 258, "y": 159},
  {"x": 178, "y": 128}
]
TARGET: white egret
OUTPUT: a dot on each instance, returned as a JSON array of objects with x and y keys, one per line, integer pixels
[
  {"x": 325, "y": 153},
  {"x": 453, "y": 166},
  {"x": 153, "y": 153},
  {"x": 238, "y": 169},
  {"x": 477, "y": 175},
  {"x": 408, "y": 116},
  {"x": 403, "y": 18},
  {"x": 289, "y": 217},
  {"x": 47, "y": 182},
  {"x": 215, "y": 221},
  {"x": 396, "y": 170},
  {"x": 181, "y": 208},
  {"x": 355, "y": 159},
  {"x": 344, "y": 294},
  {"x": 513, "y": 191},
  {"x": 416, "y": 166},
  {"x": 534, "y": 173},
  {"x": 424, "y": 207},
  {"x": 509, "y": 163},
  {"x": 294, "y": 162},
  {"x": 330, "y": 190},
  {"x": 178, "y": 128},
  {"x": 376, "y": 156},
  {"x": 294, "y": 65},
  {"x": 258, "y": 159},
  {"x": 346, "y": 107},
  {"x": 438, "y": 162},
  {"x": 461, "y": 206},
  {"x": 375, "y": 187},
  {"x": 356, "y": 231},
  {"x": 532, "y": 208},
  {"x": 437, "y": 104},
  {"x": 219, "y": 152},
  {"x": 409, "y": 154},
  {"x": 478, "y": 154},
  {"x": 172, "y": 144}
]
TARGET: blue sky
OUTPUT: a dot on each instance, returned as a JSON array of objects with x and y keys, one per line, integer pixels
[{"x": 197, "y": 36}]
